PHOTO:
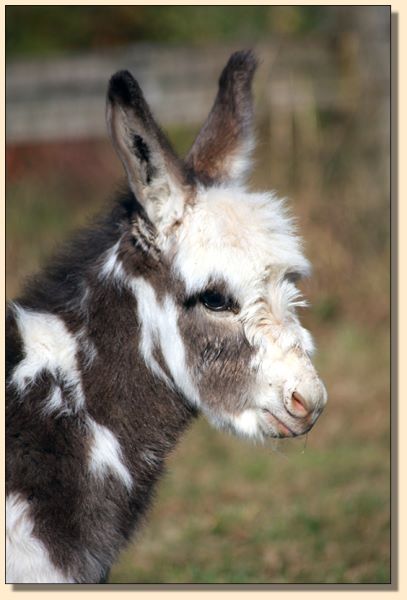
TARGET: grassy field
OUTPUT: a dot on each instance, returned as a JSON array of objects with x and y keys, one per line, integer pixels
[{"x": 312, "y": 510}]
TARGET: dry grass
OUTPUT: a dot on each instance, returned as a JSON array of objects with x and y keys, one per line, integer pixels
[
  {"x": 298, "y": 511},
  {"x": 302, "y": 511}
]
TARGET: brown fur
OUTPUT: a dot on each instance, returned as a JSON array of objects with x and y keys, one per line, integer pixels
[
  {"x": 229, "y": 123},
  {"x": 84, "y": 521}
]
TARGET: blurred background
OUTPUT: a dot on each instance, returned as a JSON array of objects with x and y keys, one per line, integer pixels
[{"x": 314, "y": 510}]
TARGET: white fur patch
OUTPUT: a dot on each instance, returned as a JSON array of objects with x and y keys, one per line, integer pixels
[
  {"x": 249, "y": 241},
  {"x": 111, "y": 266},
  {"x": 164, "y": 203},
  {"x": 54, "y": 403},
  {"x": 48, "y": 345},
  {"x": 282, "y": 373},
  {"x": 246, "y": 424},
  {"x": 239, "y": 162},
  {"x": 159, "y": 327},
  {"x": 147, "y": 308},
  {"x": 27, "y": 559},
  {"x": 106, "y": 455},
  {"x": 238, "y": 237}
]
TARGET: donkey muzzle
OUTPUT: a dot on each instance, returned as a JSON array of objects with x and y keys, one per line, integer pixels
[{"x": 299, "y": 410}]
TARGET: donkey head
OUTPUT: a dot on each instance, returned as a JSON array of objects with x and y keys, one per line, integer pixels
[{"x": 217, "y": 301}]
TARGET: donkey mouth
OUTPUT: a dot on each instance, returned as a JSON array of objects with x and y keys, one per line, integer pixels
[{"x": 281, "y": 429}]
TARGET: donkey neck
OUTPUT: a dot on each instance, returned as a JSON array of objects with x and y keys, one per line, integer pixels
[
  {"x": 94, "y": 408},
  {"x": 121, "y": 392},
  {"x": 119, "y": 386}
]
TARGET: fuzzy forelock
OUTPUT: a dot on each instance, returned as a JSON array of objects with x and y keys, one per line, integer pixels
[{"x": 238, "y": 237}]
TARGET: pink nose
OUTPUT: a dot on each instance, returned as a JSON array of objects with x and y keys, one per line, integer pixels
[
  {"x": 297, "y": 406},
  {"x": 309, "y": 401}
]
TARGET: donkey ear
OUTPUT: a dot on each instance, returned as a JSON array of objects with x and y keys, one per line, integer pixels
[
  {"x": 221, "y": 150},
  {"x": 153, "y": 170}
]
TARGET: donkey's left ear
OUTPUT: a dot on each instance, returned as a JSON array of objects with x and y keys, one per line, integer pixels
[
  {"x": 221, "y": 152},
  {"x": 154, "y": 172}
]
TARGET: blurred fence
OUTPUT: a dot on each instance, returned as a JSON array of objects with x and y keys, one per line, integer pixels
[{"x": 64, "y": 98}]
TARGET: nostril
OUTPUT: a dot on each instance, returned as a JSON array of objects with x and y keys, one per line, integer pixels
[{"x": 299, "y": 405}]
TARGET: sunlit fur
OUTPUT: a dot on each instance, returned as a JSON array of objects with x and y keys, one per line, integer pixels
[
  {"x": 112, "y": 349},
  {"x": 27, "y": 559},
  {"x": 241, "y": 236},
  {"x": 106, "y": 454},
  {"x": 249, "y": 241},
  {"x": 48, "y": 346},
  {"x": 159, "y": 329}
]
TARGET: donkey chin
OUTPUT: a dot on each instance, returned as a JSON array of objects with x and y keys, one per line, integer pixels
[
  {"x": 283, "y": 396},
  {"x": 294, "y": 396},
  {"x": 280, "y": 410}
]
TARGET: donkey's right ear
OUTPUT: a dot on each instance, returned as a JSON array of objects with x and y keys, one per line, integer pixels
[{"x": 153, "y": 170}]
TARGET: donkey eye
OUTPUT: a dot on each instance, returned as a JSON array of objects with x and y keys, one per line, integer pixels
[{"x": 215, "y": 300}]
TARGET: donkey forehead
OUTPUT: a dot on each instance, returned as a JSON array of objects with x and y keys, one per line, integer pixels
[{"x": 236, "y": 236}]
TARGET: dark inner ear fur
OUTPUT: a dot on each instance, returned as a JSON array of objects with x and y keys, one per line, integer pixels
[
  {"x": 141, "y": 145},
  {"x": 228, "y": 129}
]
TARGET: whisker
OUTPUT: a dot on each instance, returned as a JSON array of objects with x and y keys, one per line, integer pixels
[
  {"x": 275, "y": 448},
  {"x": 305, "y": 444}
]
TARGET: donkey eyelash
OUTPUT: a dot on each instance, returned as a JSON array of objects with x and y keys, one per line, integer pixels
[
  {"x": 214, "y": 300},
  {"x": 217, "y": 301}
]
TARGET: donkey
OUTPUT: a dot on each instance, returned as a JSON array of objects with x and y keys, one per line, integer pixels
[{"x": 181, "y": 300}]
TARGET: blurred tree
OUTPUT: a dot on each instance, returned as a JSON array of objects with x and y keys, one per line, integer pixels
[{"x": 44, "y": 30}]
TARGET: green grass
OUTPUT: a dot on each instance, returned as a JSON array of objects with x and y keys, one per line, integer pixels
[
  {"x": 292, "y": 511},
  {"x": 313, "y": 516},
  {"x": 312, "y": 510}
]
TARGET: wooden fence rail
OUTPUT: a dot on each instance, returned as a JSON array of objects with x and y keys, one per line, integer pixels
[{"x": 64, "y": 98}]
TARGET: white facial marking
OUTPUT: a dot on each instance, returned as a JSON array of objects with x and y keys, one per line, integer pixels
[
  {"x": 159, "y": 327},
  {"x": 27, "y": 559},
  {"x": 235, "y": 235},
  {"x": 281, "y": 374},
  {"x": 147, "y": 310},
  {"x": 48, "y": 345},
  {"x": 106, "y": 455},
  {"x": 246, "y": 424},
  {"x": 247, "y": 242}
]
